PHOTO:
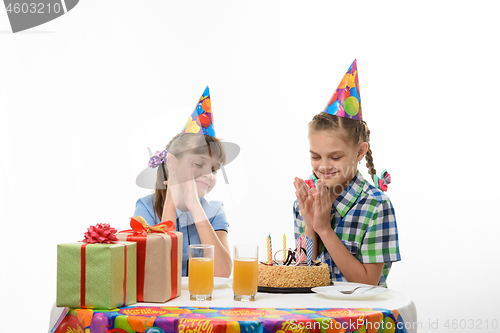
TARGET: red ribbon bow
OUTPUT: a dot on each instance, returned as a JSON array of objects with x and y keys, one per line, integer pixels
[{"x": 100, "y": 233}]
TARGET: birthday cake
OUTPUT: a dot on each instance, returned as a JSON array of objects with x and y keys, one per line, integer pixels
[
  {"x": 288, "y": 274},
  {"x": 296, "y": 270},
  {"x": 302, "y": 276}
]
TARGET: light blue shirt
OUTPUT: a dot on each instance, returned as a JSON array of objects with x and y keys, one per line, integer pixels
[{"x": 185, "y": 223}]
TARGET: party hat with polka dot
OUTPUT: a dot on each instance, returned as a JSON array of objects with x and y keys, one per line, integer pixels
[
  {"x": 346, "y": 101},
  {"x": 201, "y": 119}
]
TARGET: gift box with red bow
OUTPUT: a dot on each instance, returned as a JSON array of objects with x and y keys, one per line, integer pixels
[
  {"x": 98, "y": 272},
  {"x": 159, "y": 259}
]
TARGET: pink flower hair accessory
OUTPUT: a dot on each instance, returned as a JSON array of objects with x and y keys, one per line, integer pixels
[
  {"x": 309, "y": 182},
  {"x": 100, "y": 233},
  {"x": 312, "y": 181},
  {"x": 382, "y": 182},
  {"x": 157, "y": 159}
]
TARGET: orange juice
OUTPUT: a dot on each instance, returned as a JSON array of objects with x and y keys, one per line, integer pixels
[
  {"x": 245, "y": 276},
  {"x": 201, "y": 276}
]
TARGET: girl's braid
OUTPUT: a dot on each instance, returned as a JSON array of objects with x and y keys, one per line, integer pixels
[{"x": 365, "y": 136}]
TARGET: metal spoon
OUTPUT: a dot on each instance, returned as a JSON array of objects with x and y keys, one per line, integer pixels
[{"x": 348, "y": 292}]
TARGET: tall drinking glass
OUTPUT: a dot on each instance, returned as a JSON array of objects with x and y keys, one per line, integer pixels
[
  {"x": 245, "y": 272},
  {"x": 201, "y": 272}
]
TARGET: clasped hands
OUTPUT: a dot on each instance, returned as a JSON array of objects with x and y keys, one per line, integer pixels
[{"x": 315, "y": 205}]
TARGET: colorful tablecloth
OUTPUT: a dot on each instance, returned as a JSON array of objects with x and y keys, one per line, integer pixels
[{"x": 186, "y": 319}]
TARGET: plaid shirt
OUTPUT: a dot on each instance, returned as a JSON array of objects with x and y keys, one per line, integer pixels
[{"x": 363, "y": 218}]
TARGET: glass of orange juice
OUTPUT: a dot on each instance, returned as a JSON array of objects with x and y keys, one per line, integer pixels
[
  {"x": 245, "y": 272},
  {"x": 201, "y": 272}
]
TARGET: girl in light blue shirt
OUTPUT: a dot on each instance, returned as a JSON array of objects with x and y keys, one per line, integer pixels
[{"x": 187, "y": 171}]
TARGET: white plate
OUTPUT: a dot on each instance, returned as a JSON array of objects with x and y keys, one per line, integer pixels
[
  {"x": 362, "y": 293},
  {"x": 219, "y": 282}
]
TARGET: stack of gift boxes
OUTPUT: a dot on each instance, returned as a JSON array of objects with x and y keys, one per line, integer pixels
[{"x": 108, "y": 270}]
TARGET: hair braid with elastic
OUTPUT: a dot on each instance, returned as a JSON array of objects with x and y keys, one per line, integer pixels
[{"x": 365, "y": 136}]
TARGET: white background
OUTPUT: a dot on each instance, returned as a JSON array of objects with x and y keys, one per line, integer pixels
[{"x": 83, "y": 96}]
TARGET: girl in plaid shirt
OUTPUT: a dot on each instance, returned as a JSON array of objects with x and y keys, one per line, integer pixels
[{"x": 352, "y": 223}]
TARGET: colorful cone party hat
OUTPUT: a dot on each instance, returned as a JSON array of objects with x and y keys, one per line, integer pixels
[
  {"x": 346, "y": 101},
  {"x": 201, "y": 119}
]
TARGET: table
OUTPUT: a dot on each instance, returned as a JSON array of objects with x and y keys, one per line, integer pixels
[{"x": 270, "y": 313}]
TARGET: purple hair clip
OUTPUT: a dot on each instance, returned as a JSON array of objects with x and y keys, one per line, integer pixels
[{"x": 157, "y": 159}]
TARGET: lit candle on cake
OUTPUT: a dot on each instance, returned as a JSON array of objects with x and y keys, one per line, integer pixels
[
  {"x": 284, "y": 247},
  {"x": 269, "y": 251}
]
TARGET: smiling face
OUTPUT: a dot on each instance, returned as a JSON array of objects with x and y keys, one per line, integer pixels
[
  {"x": 333, "y": 159},
  {"x": 200, "y": 147},
  {"x": 204, "y": 171},
  {"x": 206, "y": 154}
]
